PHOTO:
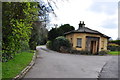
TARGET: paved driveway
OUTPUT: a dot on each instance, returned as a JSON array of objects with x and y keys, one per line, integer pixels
[
  {"x": 110, "y": 70},
  {"x": 50, "y": 64}
]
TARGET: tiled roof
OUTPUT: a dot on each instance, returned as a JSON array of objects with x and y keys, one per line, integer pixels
[{"x": 86, "y": 30}]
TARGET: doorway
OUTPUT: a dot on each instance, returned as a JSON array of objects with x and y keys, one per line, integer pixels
[
  {"x": 93, "y": 47},
  {"x": 92, "y": 44}
]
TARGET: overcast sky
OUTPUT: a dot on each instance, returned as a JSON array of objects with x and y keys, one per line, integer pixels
[{"x": 97, "y": 14}]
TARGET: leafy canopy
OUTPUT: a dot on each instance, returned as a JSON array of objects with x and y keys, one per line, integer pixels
[
  {"x": 17, "y": 20},
  {"x": 55, "y": 32}
]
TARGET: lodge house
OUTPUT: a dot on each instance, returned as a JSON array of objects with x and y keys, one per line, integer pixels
[{"x": 87, "y": 39}]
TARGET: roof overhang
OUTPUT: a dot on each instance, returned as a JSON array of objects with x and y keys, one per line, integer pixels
[{"x": 72, "y": 32}]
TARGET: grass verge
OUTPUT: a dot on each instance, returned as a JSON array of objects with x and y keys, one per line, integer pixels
[
  {"x": 13, "y": 67},
  {"x": 114, "y": 53}
]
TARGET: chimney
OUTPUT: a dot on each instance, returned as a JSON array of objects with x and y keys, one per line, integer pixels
[{"x": 81, "y": 24}]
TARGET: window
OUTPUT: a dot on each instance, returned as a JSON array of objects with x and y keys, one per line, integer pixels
[{"x": 79, "y": 42}]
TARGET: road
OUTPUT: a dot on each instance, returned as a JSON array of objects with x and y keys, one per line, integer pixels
[
  {"x": 110, "y": 69},
  {"x": 51, "y": 64}
]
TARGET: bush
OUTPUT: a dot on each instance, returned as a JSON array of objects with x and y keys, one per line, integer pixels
[
  {"x": 113, "y": 48},
  {"x": 61, "y": 44},
  {"x": 49, "y": 45},
  {"x": 82, "y": 52},
  {"x": 32, "y": 45},
  {"x": 102, "y": 52},
  {"x": 115, "y": 42},
  {"x": 24, "y": 46}
]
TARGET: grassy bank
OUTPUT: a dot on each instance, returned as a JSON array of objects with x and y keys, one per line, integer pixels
[
  {"x": 114, "y": 53},
  {"x": 13, "y": 67}
]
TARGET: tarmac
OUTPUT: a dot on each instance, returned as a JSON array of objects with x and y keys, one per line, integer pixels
[{"x": 51, "y": 64}]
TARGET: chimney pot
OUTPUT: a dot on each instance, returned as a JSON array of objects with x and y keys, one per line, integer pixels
[{"x": 81, "y": 24}]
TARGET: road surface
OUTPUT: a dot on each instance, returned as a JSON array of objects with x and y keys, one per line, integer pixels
[
  {"x": 51, "y": 64},
  {"x": 110, "y": 69}
]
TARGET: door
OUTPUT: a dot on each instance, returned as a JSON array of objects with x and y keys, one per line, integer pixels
[{"x": 93, "y": 47}]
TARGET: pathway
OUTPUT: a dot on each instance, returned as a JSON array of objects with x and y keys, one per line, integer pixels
[{"x": 51, "y": 64}]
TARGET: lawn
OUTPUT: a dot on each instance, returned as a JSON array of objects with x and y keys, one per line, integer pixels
[
  {"x": 13, "y": 67},
  {"x": 114, "y": 52}
]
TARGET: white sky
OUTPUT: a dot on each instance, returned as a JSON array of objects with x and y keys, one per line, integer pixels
[{"x": 97, "y": 14}]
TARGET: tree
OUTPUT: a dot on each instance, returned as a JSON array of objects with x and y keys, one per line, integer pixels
[
  {"x": 17, "y": 20},
  {"x": 66, "y": 28},
  {"x": 39, "y": 31},
  {"x": 18, "y": 29},
  {"x": 38, "y": 36},
  {"x": 53, "y": 33},
  {"x": 115, "y": 41}
]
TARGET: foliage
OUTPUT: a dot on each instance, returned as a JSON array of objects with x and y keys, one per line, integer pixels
[
  {"x": 55, "y": 32},
  {"x": 66, "y": 28},
  {"x": 17, "y": 19},
  {"x": 113, "y": 48},
  {"x": 102, "y": 53},
  {"x": 82, "y": 52},
  {"x": 19, "y": 32},
  {"x": 60, "y": 44},
  {"x": 46, "y": 7},
  {"x": 38, "y": 36},
  {"x": 49, "y": 45},
  {"x": 115, "y": 41},
  {"x": 39, "y": 31},
  {"x": 114, "y": 45},
  {"x": 13, "y": 67}
]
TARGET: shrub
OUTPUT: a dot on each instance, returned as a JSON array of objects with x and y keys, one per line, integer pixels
[
  {"x": 113, "y": 48},
  {"x": 102, "y": 52},
  {"x": 115, "y": 42},
  {"x": 82, "y": 52},
  {"x": 61, "y": 44},
  {"x": 86, "y": 52},
  {"x": 64, "y": 49},
  {"x": 33, "y": 45},
  {"x": 49, "y": 45}
]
